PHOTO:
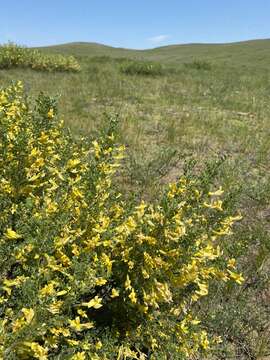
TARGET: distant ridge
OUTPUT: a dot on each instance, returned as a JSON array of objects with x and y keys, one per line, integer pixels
[
  {"x": 247, "y": 52},
  {"x": 90, "y": 43}
]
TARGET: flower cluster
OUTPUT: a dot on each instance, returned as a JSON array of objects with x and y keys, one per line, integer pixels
[
  {"x": 85, "y": 275},
  {"x": 12, "y": 55}
]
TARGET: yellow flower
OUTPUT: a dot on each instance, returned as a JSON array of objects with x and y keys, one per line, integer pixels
[
  {"x": 12, "y": 235},
  {"x": 203, "y": 289},
  {"x": 218, "y": 192},
  {"x": 128, "y": 283},
  {"x": 58, "y": 331},
  {"x": 153, "y": 343},
  {"x": 76, "y": 324},
  {"x": 38, "y": 351},
  {"x": 55, "y": 307},
  {"x": 50, "y": 114},
  {"x": 231, "y": 263},
  {"x": 17, "y": 324},
  {"x": 73, "y": 163},
  {"x": 96, "y": 303},
  {"x": 141, "y": 209},
  {"x": 47, "y": 290},
  {"x": 204, "y": 340},
  {"x": 236, "y": 277},
  {"x": 107, "y": 262},
  {"x": 28, "y": 315},
  {"x": 115, "y": 293},
  {"x": 97, "y": 149},
  {"x": 195, "y": 321},
  {"x": 145, "y": 274},
  {"x": 98, "y": 345},
  {"x": 8, "y": 284},
  {"x": 217, "y": 204},
  {"x": 51, "y": 206},
  {"x": 125, "y": 352},
  {"x": 79, "y": 356},
  {"x": 132, "y": 296},
  {"x": 101, "y": 281},
  {"x": 130, "y": 265},
  {"x": 72, "y": 342},
  {"x": 82, "y": 313},
  {"x": 61, "y": 292},
  {"x": 43, "y": 137},
  {"x": 75, "y": 250}
]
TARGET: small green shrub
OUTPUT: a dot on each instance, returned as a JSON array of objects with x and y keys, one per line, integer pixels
[
  {"x": 101, "y": 59},
  {"x": 199, "y": 65},
  {"x": 12, "y": 55},
  {"x": 145, "y": 68},
  {"x": 85, "y": 275}
]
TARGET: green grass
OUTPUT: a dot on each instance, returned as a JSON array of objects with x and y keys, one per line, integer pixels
[{"x": 187, "y": 113}]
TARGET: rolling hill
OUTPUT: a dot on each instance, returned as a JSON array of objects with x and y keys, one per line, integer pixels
[{"x": 253, "y": 52}]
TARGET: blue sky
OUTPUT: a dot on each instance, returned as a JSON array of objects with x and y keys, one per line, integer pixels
[{"x": 133, "y": 24}]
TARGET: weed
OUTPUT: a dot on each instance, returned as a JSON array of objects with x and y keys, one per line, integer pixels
[
  {"x": 199, "y": 65},
  {"x": 144, "y": 68}
]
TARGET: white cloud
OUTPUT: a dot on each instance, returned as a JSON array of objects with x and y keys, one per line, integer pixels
[{"x": 159, "y": 38}]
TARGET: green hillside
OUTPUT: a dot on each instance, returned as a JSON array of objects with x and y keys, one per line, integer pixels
[
  {"x": 88, "y": 49},
  {"x": 242, "y": 53}
]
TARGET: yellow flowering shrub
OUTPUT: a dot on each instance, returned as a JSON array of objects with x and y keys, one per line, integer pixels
[
  {"x": 12, "y": 55},
  {"x": 84, "y": 274}
]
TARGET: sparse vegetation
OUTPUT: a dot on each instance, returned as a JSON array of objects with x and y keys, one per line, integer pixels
[
  {"x": 146, "y": 68},
  {"x": 199, "y": 65}
]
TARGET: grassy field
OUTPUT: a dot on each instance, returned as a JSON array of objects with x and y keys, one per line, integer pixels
[{"x": 188, "y": 113}]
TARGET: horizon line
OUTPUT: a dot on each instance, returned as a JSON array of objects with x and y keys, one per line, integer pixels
[{"x": 151, "y": 48}]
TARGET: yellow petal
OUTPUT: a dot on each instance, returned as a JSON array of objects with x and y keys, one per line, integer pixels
[{"x": 12, "y": 235}]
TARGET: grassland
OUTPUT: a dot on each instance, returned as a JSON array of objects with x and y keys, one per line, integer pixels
[{"x": 187, "y": 114}]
